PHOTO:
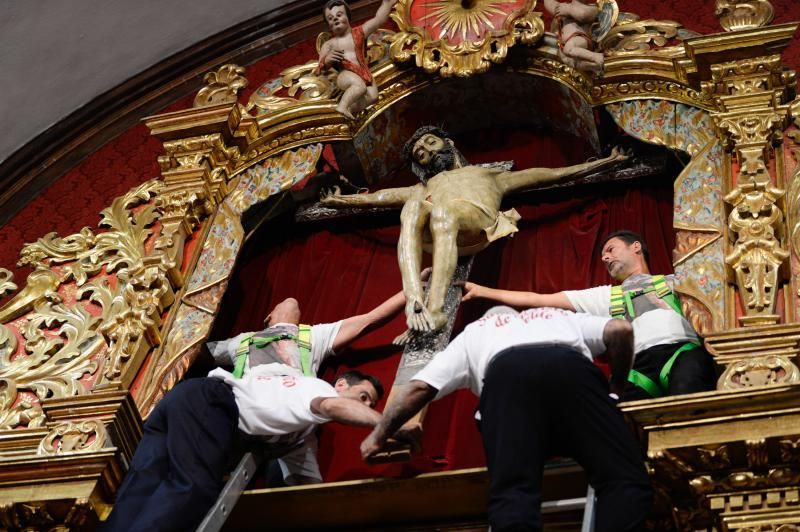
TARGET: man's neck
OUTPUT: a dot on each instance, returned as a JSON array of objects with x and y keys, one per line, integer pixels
[{"x": 641, "y": 269}]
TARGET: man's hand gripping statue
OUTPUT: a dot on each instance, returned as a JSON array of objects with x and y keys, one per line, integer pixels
[{"x": 454, "y": 210}]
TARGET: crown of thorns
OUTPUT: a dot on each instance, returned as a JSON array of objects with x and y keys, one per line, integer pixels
[{"x": 408, "y": 148}]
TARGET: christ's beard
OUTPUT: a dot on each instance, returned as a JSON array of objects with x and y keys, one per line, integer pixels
[{"x": 441, "y": 161}]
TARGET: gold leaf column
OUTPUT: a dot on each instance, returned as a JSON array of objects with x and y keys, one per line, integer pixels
[{"x": 751, "y": 116}]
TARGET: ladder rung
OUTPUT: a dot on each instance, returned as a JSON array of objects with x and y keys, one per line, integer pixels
[{"x": 233, "y": 489}]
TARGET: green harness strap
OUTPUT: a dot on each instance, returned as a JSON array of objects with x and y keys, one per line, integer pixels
[
  {"x": 657, "y": 389},
  {"x": 623, "y": 301},
  {"x": 303, "y": 340},
  {"x": 304, "y": 344}
]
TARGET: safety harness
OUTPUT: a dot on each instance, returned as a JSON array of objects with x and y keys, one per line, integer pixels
[
  {"x": 622, "y": 306},
  {"x": 303, "y": 339}
]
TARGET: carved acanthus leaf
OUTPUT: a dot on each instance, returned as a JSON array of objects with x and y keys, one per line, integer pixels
[
  {"x": 52, "y": 249},
  {"x": 63, "y": 341},
  {"x": 6, "y": 282},
  {"x": 18, "y": 409},
  {"x": 122, "y": 246},
  {"x": 60, "y": 342},
  {"x": 70, "y": 437},
  {"x": 759, "y": 371},
  {"x": 631, "y": 35},
  {"x": 222, "y": 86},
  {"x": 744, "y": 14}
]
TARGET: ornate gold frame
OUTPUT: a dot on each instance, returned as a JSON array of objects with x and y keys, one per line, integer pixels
[{"x": 109, "y": 316}]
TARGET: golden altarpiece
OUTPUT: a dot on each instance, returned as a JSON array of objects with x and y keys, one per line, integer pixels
[{"x": 111, "y": 319}]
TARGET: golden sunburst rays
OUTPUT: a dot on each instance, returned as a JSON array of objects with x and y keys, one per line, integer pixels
[{"x": 454, "y": 17}]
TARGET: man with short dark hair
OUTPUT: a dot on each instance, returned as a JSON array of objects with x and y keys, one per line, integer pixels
[
  {"x": 669, "y": 357},
  {"x": 540, "y": 395}
]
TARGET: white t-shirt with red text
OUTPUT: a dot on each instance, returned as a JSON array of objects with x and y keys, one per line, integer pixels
[
  {"x": 300, "y": 464},
  {"x": 276, "y": 407},
  {"x": 463, "y": 363}
]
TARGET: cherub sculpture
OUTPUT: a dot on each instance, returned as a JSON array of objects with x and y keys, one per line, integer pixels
[
  {"x": 455, "y": 209},
  {"x": 345, "y": 51},
  {"x": 573, "y": 20}
]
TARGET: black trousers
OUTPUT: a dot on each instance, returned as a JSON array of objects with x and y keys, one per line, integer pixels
[
  {"x": 178, "y": 469},
  {"x": 692, "y": 372},
  {"x": 538, "y": 402}
]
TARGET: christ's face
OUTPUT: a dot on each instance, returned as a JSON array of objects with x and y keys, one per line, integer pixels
[
  {"x": 427, "y": 147},
  {"x": 337, "y": 20}
]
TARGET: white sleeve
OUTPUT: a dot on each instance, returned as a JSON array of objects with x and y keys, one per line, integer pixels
[
  {"x": 322, "y": 338},
  {"x": 315, "y": 388},
  {"x": 449, "y": 369},
  {"x": 592, "y": 328},
  {"x": 300, "y": 465},
  {"x": 224, "y": 351},
  {"x": 595, "y": 301}
]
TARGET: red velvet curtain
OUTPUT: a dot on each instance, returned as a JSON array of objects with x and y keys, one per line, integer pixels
[{"x": 340, "y": 270}]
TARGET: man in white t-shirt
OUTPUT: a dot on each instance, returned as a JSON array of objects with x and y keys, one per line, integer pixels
[
  {"x": 669, "y": 357},
  {"x": 190, "y": 437},
  {"x": 540, "y": 395},
  {"x": 299, "y": 466}
]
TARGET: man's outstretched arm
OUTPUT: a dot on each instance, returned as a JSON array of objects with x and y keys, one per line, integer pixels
[
  {"x": 518, "y": 299},
  {"x": 389, "y": 197},
  {"x": 415, "y": 395},
  {"x": 345, "y": 410},
  {"x": 355, "y": 326},
  {"x": 533, "y": 177}
]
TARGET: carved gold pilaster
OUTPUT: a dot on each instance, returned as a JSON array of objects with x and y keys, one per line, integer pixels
[
  {"x": 195, "y": 173},
  {"x": 200, "y": 155},
  {"x": 750, "y": 119}
]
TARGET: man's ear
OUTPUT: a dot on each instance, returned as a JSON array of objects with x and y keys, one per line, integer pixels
[
  {"x": 341, "y": 385},
  {"x": 637, "y": 247}
]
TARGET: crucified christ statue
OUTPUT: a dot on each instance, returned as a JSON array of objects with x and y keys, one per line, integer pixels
[{"x": 456, "y": 208}]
